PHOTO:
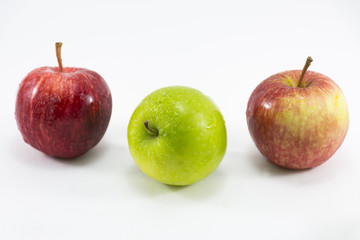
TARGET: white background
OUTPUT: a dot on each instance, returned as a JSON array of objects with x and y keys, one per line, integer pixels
[{"x": 223, "y": 48}]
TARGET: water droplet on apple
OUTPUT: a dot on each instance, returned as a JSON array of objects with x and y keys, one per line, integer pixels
[
  {"x": 89, "y": 99},
  {"x": 267, "y": 105}
]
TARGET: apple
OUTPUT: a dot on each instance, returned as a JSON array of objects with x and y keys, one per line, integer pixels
[
  {"x": 177, "y": 135},
  {"x": 297, "y": 119},
  {"x": 63, "y": 111}
]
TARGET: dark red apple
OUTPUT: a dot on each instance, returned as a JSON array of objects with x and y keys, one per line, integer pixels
[{"x": 63, "y": 112}]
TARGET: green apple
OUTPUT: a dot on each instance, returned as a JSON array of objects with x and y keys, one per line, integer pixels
[{"x": 177, "y": 135}]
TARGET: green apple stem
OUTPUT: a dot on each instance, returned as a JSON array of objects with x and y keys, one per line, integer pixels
[
  {"x": 306, "y": 66},
  {"x": 58, "y": 55},
  {"x": 153, "y": 132}
]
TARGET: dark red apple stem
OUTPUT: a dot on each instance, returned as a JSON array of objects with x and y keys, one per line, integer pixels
[
  {"x": 153, "y": 132},
  {"x": 306, "y": 66},
  {"x": 58, "y": 55}
]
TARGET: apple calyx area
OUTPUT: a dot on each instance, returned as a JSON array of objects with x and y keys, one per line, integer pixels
[
  {"x": 306, "y": 66},
  {"x": 58, "y": 55},
  {"x": 151, "y": 131}
]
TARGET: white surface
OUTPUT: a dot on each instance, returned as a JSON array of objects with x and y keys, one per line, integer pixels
[{"x": 224, "y": 49}]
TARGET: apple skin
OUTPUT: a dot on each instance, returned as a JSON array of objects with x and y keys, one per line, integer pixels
[
  {"x": 63, "y": 114},
  {"x": 191, "y": 140},
  {"x": 297, "y": 127}
]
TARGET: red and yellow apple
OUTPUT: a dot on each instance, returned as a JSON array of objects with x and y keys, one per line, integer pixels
[
  {"x": 297, "y": 119},
  {"x": 63, "y": 112}
]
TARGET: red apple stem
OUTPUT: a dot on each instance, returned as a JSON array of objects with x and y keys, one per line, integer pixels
[
  {"x": 153, "y": 132},
  {"x": 58, "y": 55},
  {"x": 306, "y": 66}
]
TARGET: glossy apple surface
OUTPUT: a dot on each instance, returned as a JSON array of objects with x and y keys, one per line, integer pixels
[
  {"x": 186, "y": 136},
  {"x": 297, "y": 127},
  {"x": 63, "y": 113}
]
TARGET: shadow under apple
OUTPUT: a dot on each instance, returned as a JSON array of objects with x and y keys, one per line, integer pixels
[
  {"x": 152, "y": 188},
  {"x": 25, "y": 154},
  {"x": 265, "y": 167},
  {"x": 87, "y": 158}
]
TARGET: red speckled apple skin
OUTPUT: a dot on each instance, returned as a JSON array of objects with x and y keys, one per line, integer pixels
[
  {"x": 297, "y": 127},
  {"x": 63, "y": 114}
]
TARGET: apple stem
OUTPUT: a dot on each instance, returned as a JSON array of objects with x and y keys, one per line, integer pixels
[
  {"x": 153, "y": 132},
  {"x": 306, "y": 66},
  {"x": 58, "y": 55}
]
